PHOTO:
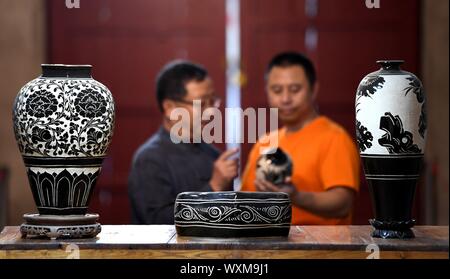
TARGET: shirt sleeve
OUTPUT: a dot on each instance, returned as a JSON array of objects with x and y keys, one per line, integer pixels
[
  {"x": 151, "y": 192},
  {"x": 340, "y": 164}
]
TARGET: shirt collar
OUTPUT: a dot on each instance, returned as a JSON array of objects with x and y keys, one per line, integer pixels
[{"x": 189, "y": 146}]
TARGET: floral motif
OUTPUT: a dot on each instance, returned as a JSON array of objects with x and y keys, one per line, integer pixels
[
  {"x": 423, "y": 121},
  {"x": 89, "y": 103},
  {"x": 396, "y": 139},
  {"x": 416, "y": 88},
  {"x": 363, "y": 136},
  {"x": 58, "y": 117},
  {"x": 94, "y": 137},
  {"x": 41, "y": 104},
  {"x": 40, "y": 136},
  {"x": 370, "y": 85}
]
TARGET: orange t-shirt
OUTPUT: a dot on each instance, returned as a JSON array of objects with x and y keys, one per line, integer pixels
[{"x": 323, "y": 155}]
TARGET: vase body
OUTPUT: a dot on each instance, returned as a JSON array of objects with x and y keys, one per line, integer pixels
[
  {"x": 63, "y": 123},
  {"x": 391, "y": 133}
]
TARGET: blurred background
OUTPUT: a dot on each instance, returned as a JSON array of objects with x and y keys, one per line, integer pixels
[{"x": 127, "y": 42}]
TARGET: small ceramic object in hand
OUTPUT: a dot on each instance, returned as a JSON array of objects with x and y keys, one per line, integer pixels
[{"x": 274, "y": 165}]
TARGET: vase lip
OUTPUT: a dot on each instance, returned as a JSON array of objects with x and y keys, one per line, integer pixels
[
  {"x": 232, "y": 195},
  {"x": 390, "y": 64},
  {"x": 66, "y": 71}
]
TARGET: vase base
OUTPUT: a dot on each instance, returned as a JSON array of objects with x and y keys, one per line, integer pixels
[
  {"x": 392, "y": 229},
  {"x": 60, "y": 226}
]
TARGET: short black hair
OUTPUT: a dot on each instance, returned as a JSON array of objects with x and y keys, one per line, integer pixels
[
  {"x": 292, "y": 58},
  {"x": 171, "y": 80}
]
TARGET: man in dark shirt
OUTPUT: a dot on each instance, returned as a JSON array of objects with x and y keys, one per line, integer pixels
[{"x": 161, "y": 167}]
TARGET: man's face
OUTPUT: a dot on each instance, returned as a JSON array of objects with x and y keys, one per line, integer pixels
[
  {"x": 288, "y": 89},
  {"x": 203, "y": 91}
]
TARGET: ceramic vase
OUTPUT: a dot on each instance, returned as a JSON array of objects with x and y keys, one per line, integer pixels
[
  {"x": 63, "y": 123},
  {"x": 391, "y": 133}
]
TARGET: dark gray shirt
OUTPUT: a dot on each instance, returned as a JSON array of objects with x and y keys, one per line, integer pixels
[{"x": 160, "y": 170}]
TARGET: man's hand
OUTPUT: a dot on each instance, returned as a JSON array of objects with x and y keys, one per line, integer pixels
[
  {"x": 336, "y": 202},
  {"x": 224, "y": 171},
  {"x": 286, "y": 187}
]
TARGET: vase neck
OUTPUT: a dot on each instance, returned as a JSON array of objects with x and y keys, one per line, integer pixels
[
  {"x": 66, "y": 71},
  {"x": 390, "y": 65}
]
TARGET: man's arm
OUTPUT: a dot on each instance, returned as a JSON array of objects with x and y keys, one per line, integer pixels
[
  {"x": 336, "y": 202},
  {"x": 151, "y": 193}
]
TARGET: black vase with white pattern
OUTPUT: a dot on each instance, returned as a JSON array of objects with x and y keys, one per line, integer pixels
[
  {"x": 233, "y": 214},
  {"x": 391, "y": 134},
  {"x": 63, "y": 123}
]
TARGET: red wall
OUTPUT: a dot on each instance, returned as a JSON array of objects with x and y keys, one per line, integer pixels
[
  {"x": 127, "y": 42},
  {"x": 351, "y": 38}
]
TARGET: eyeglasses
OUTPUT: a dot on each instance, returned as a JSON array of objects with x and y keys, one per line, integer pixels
[{"x": 205, "y": 103}]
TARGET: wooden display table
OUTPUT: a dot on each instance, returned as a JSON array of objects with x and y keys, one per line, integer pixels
[{"x": 161, "y": 241}]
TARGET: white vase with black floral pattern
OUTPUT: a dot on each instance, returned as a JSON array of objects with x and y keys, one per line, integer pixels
[
  {"x": 391, "y": 133},
  {"x": 63, "y": 123}
]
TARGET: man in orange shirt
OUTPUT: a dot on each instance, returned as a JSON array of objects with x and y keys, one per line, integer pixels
[{"x": 325, "y": 175}]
